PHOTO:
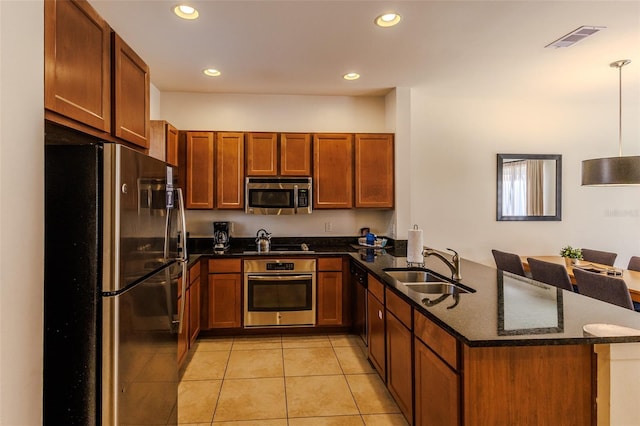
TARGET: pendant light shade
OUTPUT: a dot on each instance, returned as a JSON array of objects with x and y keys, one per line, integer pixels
[
  {"x": 618, "y": 170},
  {"x": 611, "y": 171}
]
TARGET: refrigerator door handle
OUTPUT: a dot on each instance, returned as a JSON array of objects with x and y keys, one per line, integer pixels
[
  {"x": 183, "y": 219},
  {"x": 183, "y": 296}
]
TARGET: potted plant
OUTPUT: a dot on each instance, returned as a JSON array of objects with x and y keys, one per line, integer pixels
[{"x": 571, "y": 255}]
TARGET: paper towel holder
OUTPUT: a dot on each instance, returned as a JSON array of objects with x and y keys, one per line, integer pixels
[{"x": 415, "y": 264}]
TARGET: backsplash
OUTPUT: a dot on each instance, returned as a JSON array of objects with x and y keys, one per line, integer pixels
[{"x": 320, "y": 223}]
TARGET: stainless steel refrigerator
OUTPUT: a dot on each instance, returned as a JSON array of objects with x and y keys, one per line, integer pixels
[{"x": 114, "y": 251}]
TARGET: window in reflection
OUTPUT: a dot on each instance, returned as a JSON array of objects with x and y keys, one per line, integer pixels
[{"x": 529, "y": 187}]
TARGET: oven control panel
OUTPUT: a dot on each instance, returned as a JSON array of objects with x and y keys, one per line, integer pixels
[{"x": 280, "y": 266}]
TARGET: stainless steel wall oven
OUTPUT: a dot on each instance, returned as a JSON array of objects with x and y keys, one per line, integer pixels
[{"x": 279, "y": 292}]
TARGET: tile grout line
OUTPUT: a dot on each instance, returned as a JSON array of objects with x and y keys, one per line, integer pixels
[
  {"x": 344, "y": 376},
  {"x": 224, "y": 374}
]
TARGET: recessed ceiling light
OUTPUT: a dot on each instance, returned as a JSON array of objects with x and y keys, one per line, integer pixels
[
  {"x": 211, "y": 72},
  {"x": 186, "y": 12},
  {"x": 351, "y": 76},
  {"x": 388, "y": 20}
]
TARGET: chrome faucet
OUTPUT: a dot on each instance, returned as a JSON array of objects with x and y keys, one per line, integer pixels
[{"x": 454, "y": 264}]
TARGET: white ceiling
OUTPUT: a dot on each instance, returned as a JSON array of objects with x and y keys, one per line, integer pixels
[{"x": 305, "y": 46}]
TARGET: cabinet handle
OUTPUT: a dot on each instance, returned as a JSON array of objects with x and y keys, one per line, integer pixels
[{"x": 379, "y": 314}]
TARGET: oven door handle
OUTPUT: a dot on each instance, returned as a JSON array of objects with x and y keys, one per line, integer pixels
[{"x": 278, "y": 277}]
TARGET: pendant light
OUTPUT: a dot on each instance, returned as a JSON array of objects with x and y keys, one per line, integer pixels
[{"x": 613, "y": 171}]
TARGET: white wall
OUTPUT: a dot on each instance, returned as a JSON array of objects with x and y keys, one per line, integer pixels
[
  {"x": 21, "y": 211},
  {"x": 455, "y": 139},
  {"x": 281, "y": 113}
]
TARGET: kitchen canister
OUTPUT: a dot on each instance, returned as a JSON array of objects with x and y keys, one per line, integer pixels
[{"x": 414, "y": 246}]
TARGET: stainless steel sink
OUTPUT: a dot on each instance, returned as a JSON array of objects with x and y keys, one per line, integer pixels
[
  {"x": 414, "y": 276},
  {"x": 424, "y": 281},
  {"x": 435, "y": 288}
]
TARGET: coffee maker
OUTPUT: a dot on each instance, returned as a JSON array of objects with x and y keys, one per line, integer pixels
[{"x": 221, "y": 236}]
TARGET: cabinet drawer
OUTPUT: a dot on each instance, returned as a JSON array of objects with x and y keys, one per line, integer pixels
[
  {"x": 376, "y": 288},
  {"x": 399, "y": 308},
  {"x": 329, "y": 264},
  {"x": 224, "y": 265},
  {"x": 441, "y": 342}
]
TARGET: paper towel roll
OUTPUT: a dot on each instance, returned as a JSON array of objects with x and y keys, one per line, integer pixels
[{"x": 414, "y": 245}]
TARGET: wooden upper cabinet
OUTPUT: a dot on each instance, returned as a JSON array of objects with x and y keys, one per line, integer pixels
[
  {"x": 163, "y": 142},
  {"x": 172, "y": 145},
  {"x": 130, "y": 95},
  {"x": 290, "y": 157},
  {"x": 77, "y": 63},
  {"x": 333, "y": 171},
  {"x": 374, "y": 174},
  {"x": 262, "y": 154},
  {"x": 199, "y": 170},
  {"x": 230, "y": 170},
  {"x": 295, "y": 154}
]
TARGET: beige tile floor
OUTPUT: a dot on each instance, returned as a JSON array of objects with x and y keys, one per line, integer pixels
[{"x": 283, "y": 381}]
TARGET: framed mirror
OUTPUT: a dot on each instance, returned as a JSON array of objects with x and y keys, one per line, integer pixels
[{"x": 529, "y": 187}]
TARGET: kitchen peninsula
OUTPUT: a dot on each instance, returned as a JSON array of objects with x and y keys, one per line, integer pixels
[{"x": 506, "y": 352}]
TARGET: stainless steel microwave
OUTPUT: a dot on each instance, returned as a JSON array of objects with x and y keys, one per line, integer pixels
[{"x": 278, "y": 195}]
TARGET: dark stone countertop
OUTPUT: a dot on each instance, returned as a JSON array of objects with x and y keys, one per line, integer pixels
[
  {"x": 292, "y": 246},
  {"x": 504, "y": 310},
  {"x": 508, "y": 310}
]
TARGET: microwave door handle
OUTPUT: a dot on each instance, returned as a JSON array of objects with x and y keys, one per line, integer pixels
[
  {"x": 183, "y": 220},
  {"x": 295, "y": 199}
]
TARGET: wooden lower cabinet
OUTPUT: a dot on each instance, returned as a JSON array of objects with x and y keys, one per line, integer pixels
[
  {"x": 225, "y": 300},
  {"x": 399, "y": 341},
  {"x": 330, "y": 301},
  {"x": 183, "y": 336},
  {"x": 329, "y": 298},
  {"x": 194, "y": 305},
  {"x": 534, "y": 385},
  {"x": 224, "y": 293},
  {"x": 375, "y": 334},
  {"x": 437, "y": 389}
]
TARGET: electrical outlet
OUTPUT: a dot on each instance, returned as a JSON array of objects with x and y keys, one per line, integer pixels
[{"x": 328, "y": 227}]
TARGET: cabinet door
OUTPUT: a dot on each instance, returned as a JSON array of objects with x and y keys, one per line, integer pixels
[
  {"x": 329, "y": 298},
  {"x": 131, "y": 120},
  {"x": 230, "y": 170},
  {"x": 375, "y": 334},
  {"x": 333, "y": 171},
  {"x": 171, "y": 145},
  {"x": 295, "y": 154},
  {"x": 262, "y": 154},
  {"x": 374, "y": 170},
  {"x": 183, "y": 337},
  {"x": 77, "y": 63},
  {"x": 437, "y": 390},
  {"x": 194, "y": 310},
  {"x": 199, "y": 170},
  {"x": 225, "y": 292},
  {"x": 399, "y": 377}
]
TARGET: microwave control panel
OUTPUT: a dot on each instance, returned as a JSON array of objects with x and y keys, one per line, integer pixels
[{"x": 303, "y": 198}]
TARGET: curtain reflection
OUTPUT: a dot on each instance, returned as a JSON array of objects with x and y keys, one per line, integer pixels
[{"x": 522, "y": 188}]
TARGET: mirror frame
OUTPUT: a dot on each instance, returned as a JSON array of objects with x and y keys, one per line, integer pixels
[{"x": 558, "y": 195}]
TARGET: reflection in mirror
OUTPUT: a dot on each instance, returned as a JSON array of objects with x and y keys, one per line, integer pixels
[
  {"x": 528, "y": 307},
  {"x": 529, "y": 187}
]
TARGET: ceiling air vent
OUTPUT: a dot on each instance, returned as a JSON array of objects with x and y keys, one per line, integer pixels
[{"x": 575, "y": 36}]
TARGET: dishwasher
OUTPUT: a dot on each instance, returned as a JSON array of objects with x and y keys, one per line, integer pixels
[{"x": 359, "y": 283}]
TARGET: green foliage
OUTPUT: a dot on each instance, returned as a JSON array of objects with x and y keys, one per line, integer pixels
[{"x": 570, "y": 252}]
